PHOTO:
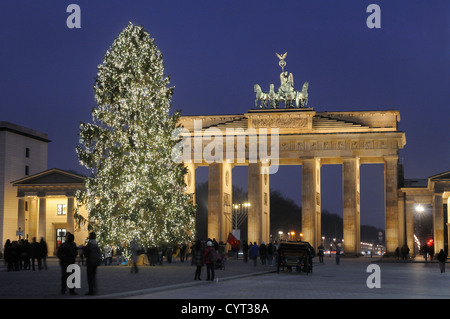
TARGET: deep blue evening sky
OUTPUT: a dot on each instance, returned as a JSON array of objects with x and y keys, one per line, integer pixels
[{"x": 215, "y": 51}]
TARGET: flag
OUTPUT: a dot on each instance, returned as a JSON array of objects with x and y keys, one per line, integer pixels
[{"x": 233, "y": 241}]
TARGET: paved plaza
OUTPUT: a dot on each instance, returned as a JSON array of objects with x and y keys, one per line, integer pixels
[{"x": 239, "y": 280}]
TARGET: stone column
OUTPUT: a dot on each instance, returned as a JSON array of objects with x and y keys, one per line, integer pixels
[
  {"x": 351, "y": 203},
  {"x": 448, "y": 221},
  {"x": 189, "y": 179},
  {"x": 32, "y": 224},
  {"x": 42, "y": 225},
  {"x": 409, "y": 212},
  {"x": 311, "y": 201},
  {"x": 219, "y": 201},
  {"x": 259, "y": 199},
  {"x": 438, "y": 222},
  {"x": 70, "y": 211},
  {"x": 391, "y": 203},
  {"x": 21, "y": 216},
  {"x": 265, "y": 192}
]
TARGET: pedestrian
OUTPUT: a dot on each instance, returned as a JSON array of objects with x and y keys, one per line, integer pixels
[
  {"x": 197, "y": 259},
  {"x": 67, "y": 254},
  {"x": 8, "y": 255},
  {"x": 269, "y": 254},
  {"x": 321, "y": 253},
  {"x": 209, "y": 260},
  {"x": 338, "y": 255},
  {"x": 245, "y": 250},
  {"x": 397, "y": 253},
  {"x": 80, "y": 255},
  {"x": 425, "y": 252},
  {"x": 119, "y": 255},
  {"x": 134, "y": 256},
  {"x": 108, "y": 255},
  {"x": 15, "y": 255},
  {"x": 254, "y": 253},
  {"x": 405, "y": 252},
  {"x": 430, "y": 252},
  {"x": 44, "y": 252},
  {"x": 276, "y": 247},
  {"x": 26, "y": 254},
  {"x": 36, "y": 254},
  {"x": 263, "y": 253},
  {"x": 182, "y": 252},
  {"x": 442, "y": 257},
  {"x": 93, "y": 256}
]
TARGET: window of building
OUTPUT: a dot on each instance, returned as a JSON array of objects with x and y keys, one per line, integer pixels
[
  {"x": 60, "y": 236},
  {"x": 61, "y": 209},
  {"x": 27, "y": 170},
  {"x": 27, "y": 152}
]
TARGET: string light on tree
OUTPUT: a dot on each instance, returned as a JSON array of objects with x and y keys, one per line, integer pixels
[{"x": 136, "y": 191}]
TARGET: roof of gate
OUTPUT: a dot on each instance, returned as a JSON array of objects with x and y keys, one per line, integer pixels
[{"x": 322, "y": 122}]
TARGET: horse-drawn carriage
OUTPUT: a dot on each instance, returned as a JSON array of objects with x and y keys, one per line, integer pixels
[{"x": 296, "y": 255}]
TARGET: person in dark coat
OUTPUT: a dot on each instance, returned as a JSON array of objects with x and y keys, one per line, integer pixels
[
  {"x": 44, "y": 252},
  {"x": 245, "y": 250},
  {"x": 442, "y": 257},
  {"x": 67, "y": 254},
  {"x": 254, "y": 253},
  {"x": 36, "y": 254},
  {"x": 91, "y": 251},
  {"x": 208, "y": 261},
  {"x": 26, "y": 254},
  {"x": 263, "y": 253},
  {"x": 197, "y": 258},
  {"x": 8, "y": 255}
]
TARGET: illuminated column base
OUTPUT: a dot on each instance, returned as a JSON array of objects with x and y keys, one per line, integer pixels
[
  {"x": 311, "y": 201},
  {"x": 219, "y": 201},
  {"x": 391, "y": 203},
  {"x": 351, "y": 202}
]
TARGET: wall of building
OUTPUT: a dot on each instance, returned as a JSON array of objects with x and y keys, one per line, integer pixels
[{"x": 13, "y": 164}]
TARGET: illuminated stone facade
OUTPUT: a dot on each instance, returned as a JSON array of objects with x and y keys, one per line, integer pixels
[
  {"x": 307, "y": 138},
  {"x": 23, "y": 152},
  {"x": 425, "y": 196},
  {"x": 46, "y": 206}
]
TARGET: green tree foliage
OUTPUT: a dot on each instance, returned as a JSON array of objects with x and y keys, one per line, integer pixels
[{"x": 136, "y": 191}]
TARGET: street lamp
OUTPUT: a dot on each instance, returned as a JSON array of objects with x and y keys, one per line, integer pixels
[
  {"x": 280, "y": 233},
  {"x": 420, "y": 209}
]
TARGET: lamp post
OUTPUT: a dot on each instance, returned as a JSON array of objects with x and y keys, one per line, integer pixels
[
  {"x": 420, "y": 209},
  {"x": 280, "y": 233}
]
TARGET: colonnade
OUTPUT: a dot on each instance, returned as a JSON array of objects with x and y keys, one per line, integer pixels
[
  {"x": 220, "y": 201},
  {"x": 301, "y": 137}
]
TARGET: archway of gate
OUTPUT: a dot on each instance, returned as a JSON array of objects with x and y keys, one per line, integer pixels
[{"x": 296, "y": 137}]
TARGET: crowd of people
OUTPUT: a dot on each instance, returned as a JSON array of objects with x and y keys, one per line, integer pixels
[{"x": 23, "y": 255}]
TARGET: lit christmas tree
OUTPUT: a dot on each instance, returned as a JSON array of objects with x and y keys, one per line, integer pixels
[{"x": 136, "y": 191}]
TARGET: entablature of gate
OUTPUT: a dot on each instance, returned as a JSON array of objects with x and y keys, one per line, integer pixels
[
  {"x": 289, "y": 121},
  {"x": 330, "y": 136},
  {"x": 422, "y": 190}
]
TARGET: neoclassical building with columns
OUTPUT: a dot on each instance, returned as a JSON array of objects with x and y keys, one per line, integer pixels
[
  {"x": 427, "y": 196},
  {"x": 46, "y": 207},
  {"x": 299, "y": 136},
  {"x": 302, "y": 136}
]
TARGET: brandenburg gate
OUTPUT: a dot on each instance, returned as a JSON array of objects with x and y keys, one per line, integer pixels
[{"x": 269, "y": 136}]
